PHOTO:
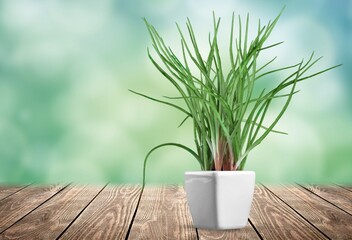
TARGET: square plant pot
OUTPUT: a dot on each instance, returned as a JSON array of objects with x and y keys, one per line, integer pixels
[{"x": 220, "y": 199}]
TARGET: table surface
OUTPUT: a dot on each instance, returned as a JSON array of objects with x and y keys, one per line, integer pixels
[{"x": 117, "y": 212}]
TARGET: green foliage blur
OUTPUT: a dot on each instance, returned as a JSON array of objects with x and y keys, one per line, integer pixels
[{"x": 66, "y": 113}]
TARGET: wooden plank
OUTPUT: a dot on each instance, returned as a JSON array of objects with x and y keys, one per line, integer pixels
[
  {"x": 333, "y": 222},
  {"x": 163, "y": 214},
  {"x": 347, "y": 187},
  {"x": 340, "y": 197},
  {"x": 21, "y": 203},
  {"x": 245, "y": 233},
  {"x": 273, "y": 219},
  {"x": 50, "y": 220},
  {"x": 108, "y": 216},
  {"x": 6, "y": 191}
]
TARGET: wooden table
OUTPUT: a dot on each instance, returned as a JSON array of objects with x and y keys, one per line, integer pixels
[{"x": 115, "y": 212}]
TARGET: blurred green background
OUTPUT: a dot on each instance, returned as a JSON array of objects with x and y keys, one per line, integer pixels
[{"x": 66, "y": 113}]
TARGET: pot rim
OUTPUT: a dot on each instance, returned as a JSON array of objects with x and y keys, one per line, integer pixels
[{"x": 217, "y": 173}]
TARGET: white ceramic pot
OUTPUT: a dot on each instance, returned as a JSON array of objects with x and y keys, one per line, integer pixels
[{"x": 220, "y": 199}]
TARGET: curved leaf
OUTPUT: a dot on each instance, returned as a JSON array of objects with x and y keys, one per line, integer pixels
[{"x": 163, "y": 145}]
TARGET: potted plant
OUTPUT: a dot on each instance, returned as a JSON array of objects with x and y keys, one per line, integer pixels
[{"x": 228, "y": 110}]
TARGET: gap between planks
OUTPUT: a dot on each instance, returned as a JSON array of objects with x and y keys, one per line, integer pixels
[
  {"x": 13, "y": 209},
  {"x": 324, "y": 216},
  {"x": 264, "y": 204},
  {"x": 341, "y": 198},
  {"x": 108, "y": 216},
  {"x": 163, "y": 212},
  {"x": 67, "y": 202}
]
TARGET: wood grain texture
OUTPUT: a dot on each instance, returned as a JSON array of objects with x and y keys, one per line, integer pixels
[
  {"x": 245, "y": 233},
  {"x": 163, "y": 214},
  {"x": 50, "y": 219},
  {"x": 21, "y": 203},
  {"x": 284, "y": 212},
  {"x": 108, "y": 216},
  {"x": 347, "y": 187},
  {"x": 333, "y": 222},
  {"x": 6, "y": 191},
  {"x": 340, "y": 197},
  {"x": 273, "y": 219}
]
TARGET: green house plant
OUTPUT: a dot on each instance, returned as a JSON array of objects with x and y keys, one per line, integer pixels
[{"x": 228, "y": 110}]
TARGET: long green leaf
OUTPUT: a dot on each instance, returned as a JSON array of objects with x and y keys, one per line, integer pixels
[{"x": 163, "y": 145}]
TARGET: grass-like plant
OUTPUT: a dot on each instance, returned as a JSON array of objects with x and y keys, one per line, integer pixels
[{"x": 226, "y": 108}]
